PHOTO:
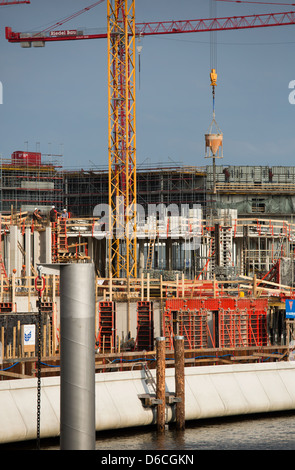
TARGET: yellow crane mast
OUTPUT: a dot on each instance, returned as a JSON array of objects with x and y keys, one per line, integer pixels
[{"x": 122, "y": 138}]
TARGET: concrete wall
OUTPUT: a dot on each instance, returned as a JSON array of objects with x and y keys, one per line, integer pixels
[
  {"x": 122, "y": 319},
  {"x": 36, "y": 246},
  {"x": 210, "y": 391}
]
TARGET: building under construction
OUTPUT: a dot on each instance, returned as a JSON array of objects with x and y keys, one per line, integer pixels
[
  {"x": 252, "y": 207},
  {"x": 215, "y": 261}
]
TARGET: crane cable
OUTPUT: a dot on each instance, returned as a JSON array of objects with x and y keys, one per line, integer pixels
[
  {"x": 72, "y": 16},
  {"x": 213, "y": 54}
]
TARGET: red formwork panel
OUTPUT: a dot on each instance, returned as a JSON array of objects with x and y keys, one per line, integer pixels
[
  {"x": 107, "y": 326},
  {"x": 257, "y": 325},
  {"x": 193, "y": 304},
  {"x": 242, "y": 322},
  {"x": 233, "y": 328},
  {"x": 174, "y": 304},
  {"x": 6, "y": 307},
  {"x": 193, "y": 327},
  {"x": 168, "y": 327},
  {"x": 191, "y": 324},
  {"x": 187, "y": 318},
  {"x": 145, "y": 326}
]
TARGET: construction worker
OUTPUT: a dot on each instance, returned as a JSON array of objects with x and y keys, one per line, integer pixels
[
  {"x": 64, "y": 214},
  {"x": 53, "y": 214},
  {"x": 37, "y": 216},
  {"x": 23, "y": 274},
  {"x": 226, "y": 174}
]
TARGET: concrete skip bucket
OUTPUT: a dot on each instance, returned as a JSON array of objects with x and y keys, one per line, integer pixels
[{"x": 214, "y": 141}]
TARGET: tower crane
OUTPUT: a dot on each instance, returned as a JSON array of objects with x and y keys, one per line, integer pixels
[{"x": 121, "y": 34}]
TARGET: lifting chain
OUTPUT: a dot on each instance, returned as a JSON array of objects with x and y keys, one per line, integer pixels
[{"x": 39, "y": 349}]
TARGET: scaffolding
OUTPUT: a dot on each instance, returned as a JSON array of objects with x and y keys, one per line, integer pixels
[
  {"x": 59, "y": 241},
  {"x": 200, "y": 244},
  {"x": 84, "y": 189},
  {"x": 26, "y": 185}
]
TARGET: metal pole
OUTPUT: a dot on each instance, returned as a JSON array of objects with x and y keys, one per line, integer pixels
[
  {"x": 161, "y": 407},
  {"x": 179, "y": 382},
  {"x": 77, "y": 356}
]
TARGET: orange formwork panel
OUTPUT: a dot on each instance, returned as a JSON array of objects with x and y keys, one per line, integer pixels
[
  {"x": 193, "y": 327},
  {"x": 145, "y": 326},
  {"x": 107, "y": 326},
  {"x": 189, "y": 323},
  {"x": 6, "y": 307},
  {"x": 242, "y": 322},
  {"x": 233, "y": 328}
]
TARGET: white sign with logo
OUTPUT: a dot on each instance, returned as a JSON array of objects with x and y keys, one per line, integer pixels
[{"x": 29, "y": 332}]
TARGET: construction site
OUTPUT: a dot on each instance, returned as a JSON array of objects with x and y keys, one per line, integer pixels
[
  {"x": 205, "y": 253},
  {"x": 208, "y": 253},
  {"x": 198, "y": 271}
]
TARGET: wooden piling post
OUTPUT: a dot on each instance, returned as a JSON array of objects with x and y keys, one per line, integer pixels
[
  {"x": 160, "y": 390},
  {"x": 179, "y": 382}
]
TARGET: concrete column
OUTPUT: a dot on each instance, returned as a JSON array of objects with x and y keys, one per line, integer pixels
[
  {"x": 36, "y": 248},
  {"x": 168, "y": 254},
  {"x": 90, "y": 247},
  {"x": 7, "y": 258},
  {"x": 48, "y": 245},
  {"x": 13, "y": 248},
  {"x": 141, "y": 256},
  {"x": 28, "y": 250}
]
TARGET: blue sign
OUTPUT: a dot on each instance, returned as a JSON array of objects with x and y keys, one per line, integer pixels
[{"x": 290, "y": 308}]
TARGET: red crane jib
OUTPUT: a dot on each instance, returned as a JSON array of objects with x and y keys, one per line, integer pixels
[{"x": 165, "y": 27}]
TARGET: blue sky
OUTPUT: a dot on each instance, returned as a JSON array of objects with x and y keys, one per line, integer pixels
[{"x": 55, "y": 98}]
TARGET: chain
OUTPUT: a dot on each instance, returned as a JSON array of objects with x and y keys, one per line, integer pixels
[
  {"x": 39, "y": 348},
  {"x": 39, "y": 372}
]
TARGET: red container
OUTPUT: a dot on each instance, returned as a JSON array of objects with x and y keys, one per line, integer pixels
[{"x": 26, "y": 158}]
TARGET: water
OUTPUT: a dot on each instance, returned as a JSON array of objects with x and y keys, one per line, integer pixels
[{"x": 273, "y": 431}]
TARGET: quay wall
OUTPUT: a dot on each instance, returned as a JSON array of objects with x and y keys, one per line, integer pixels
[{"x": 210, "y": 391}]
